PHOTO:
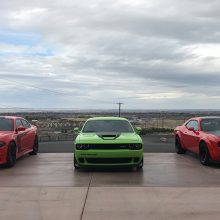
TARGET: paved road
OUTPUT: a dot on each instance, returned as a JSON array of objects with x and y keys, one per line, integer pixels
[
  {"x": 170, "y": 186},
  {"x": 152, "y": 144}
]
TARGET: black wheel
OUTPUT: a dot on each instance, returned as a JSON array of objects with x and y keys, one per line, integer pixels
[
  {"x": 76, "y": 165},
  {"x": 35, "y": 147},
  {"x": 141, "y": 164},
  {"x": 178, "y": 146},
  {"x": 11, "y": 155},
  {"x": 204, "y": 155}
]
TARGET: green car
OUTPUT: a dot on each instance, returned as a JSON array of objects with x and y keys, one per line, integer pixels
[{"x": 108, "y": 142}]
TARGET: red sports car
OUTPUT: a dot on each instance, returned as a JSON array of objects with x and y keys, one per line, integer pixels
[
  {"x": 200, "y": 135},
  {"x": 17, "y": 137}
]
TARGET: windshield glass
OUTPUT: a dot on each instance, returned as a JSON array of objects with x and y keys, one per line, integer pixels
[
  {"x": 6, "y": 124},
  {"x": 211, "y": 124},
  {"x": 108, "y": 126}
]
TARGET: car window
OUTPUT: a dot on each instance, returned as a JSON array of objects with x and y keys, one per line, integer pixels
[
  {"x": 193, "y": 124},
  {"x": 18, "y": 123},
  {"x": 212, "y": 124},
  {"x": 26, "y": 124},
  {"x": 108, "y": 126},
  {"x": 6, "y": 124}
]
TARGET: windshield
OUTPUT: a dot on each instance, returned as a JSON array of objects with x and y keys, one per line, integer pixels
[
  {"x": 108, "y": 126},
  {"x": 6, "y": 124},
  {"x": 212, "y": 124}
]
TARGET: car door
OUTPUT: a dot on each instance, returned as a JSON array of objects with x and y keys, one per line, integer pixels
[
  {"x": 29, "y": 133},
  {"x": 21, "y": 137},
  {"x": 191, "y": 138}
]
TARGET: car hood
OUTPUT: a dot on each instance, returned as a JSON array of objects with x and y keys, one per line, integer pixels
[{"x": 108, "y": 138}]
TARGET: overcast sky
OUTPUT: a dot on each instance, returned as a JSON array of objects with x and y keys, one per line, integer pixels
[{"x": 148, "y": 54}]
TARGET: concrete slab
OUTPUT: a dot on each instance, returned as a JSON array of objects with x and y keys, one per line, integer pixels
[
  {"x": 141, "y": 203},
  {"x": 44, "y": 170},
  {"x": 160, "y": 169},
  {"x": 42, "y": 203},
  {"x": 169, "y": 187}
]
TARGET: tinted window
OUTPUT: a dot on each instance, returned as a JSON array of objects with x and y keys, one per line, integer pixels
[
  {"x": 108, "y": 126},
  {"x": 6, "y": 124},
  {"x": 26, "y": 124},
  {"x": 212, "y": 124},
  {"x": 18, "y": 123},
  {"x": 193, "y": 124}
]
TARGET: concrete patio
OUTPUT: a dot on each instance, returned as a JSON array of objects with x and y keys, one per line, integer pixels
[{"x": 170, "y": 186}]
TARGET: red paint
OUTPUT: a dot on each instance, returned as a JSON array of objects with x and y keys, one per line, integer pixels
[
  {"x": 22, "y": 136},
  {"x": 190, "y": 139}
]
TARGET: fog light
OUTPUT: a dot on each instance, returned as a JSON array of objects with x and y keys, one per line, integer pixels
[
  {"x": 81, "y": 160},
  {"x": 136, "y": 159}
]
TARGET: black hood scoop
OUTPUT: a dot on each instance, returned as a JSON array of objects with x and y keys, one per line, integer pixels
[{"x": 108, "y": 136}]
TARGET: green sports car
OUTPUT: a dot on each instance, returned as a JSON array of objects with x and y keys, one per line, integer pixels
[{"x": 108, "y": 142}]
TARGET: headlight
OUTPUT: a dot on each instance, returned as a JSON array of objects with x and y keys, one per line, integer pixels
[
  {"x": 2, "y": 143},
  {"x": 82, "y": 146},
  {"x": 135, "y": 146}
]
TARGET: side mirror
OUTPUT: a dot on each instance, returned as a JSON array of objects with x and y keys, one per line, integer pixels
[
  {"x": 21, "y": 128},
  {"x": 191, "y": 129},
  {"x": 76, "y": 130},
  {"x": 138, "y": 130}
]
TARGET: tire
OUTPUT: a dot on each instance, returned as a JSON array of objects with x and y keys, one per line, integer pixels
[
  {"x": 11, "y": 155},
  {"x": 76, "y": 165},
  {"x": 178, "y": 146},
  {"x": 204, "y": 155},
  {"x": 35, "y": 147},
  {"x": 141, "y": 164}
]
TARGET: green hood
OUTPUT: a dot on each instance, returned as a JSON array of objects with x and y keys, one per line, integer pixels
[{"x": 91, "y": 138}]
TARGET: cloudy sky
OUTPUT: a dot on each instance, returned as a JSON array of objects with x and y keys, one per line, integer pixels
[{"x": 148, "y": 54}]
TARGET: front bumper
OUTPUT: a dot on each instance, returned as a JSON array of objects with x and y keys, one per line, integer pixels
[
  {"x": 108, "y": 158},
  {"x": 3, "y": 155}
]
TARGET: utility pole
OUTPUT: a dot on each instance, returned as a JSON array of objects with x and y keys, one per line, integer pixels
[{"x": 119, "y": 108}]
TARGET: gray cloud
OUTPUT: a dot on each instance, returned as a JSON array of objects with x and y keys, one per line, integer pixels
[{"x": 90, "y": 54}]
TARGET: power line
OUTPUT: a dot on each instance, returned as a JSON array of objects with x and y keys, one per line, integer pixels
[{"x": 32, "y": 86}]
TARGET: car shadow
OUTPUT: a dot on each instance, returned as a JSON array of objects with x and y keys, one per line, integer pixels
[
  {"x": 213, "y": 164},
  {"x": 4, "y": 166},
  {"x": 109, "y": 170}
]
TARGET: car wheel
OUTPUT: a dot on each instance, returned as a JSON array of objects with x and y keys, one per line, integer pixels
[
  {"x": 35, "y": 147},
  {"x": 204, "y": 155},
  {"x": 178, "y": 146},
  {"x": 11, "y": 155},
  {"x": 76, "y": 165},
  {"x": 141, "y": 164}
]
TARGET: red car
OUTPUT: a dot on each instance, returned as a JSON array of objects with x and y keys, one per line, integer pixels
[
  {"x": 200, "y": 135},
  {"x": 17, "y": 137}
]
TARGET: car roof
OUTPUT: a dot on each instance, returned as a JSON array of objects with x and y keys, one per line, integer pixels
[
  {"x": 210, "y": 117},
  {"x": 11, "y": 117},
  {"x": 204, "y": 117},
  {"x": 107, "y": 118}
]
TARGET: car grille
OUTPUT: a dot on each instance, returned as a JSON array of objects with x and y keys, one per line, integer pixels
[
  {"x": 109, "y": 160},
  {"x": 108, "y": 146}
]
